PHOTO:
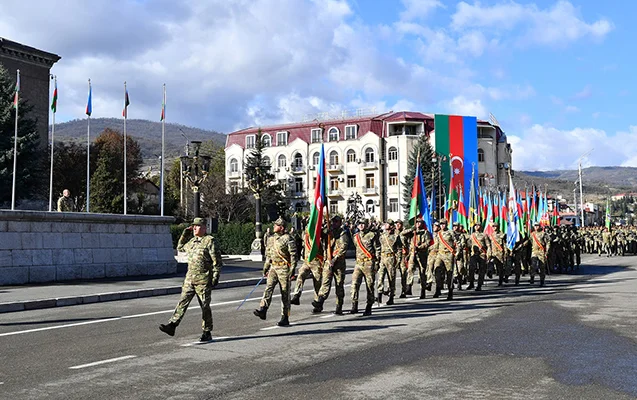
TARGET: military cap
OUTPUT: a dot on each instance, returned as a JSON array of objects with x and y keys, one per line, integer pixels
[
  {"x": 337, "y": 218},
  {"x": 279, "y": 221},
  {"x": 399, "y": 221},
  {"x": 199, "y": 221},
  {"x": 456, "y": 224},
  {"x": 437, "y": 223},
  {"x": 390, "y": 221},
  {"x": 443, "y": 221},
  {"x": 363, "y": 221}
]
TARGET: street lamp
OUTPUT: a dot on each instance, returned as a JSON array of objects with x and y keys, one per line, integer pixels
[{"x": 195, "y": 169}]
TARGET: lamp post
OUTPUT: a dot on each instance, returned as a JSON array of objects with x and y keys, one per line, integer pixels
[
  {"x": 438, "y": 159},
  {"x": 257, "y": 184},
  {"x": 195, "y": 169}
]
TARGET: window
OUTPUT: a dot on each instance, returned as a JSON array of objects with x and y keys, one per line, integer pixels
[
  {"x": 298, "y": 161},
  {"x": 351, "y": 156},
  {"x": 393, "y": 205},
  {"x": 333, "y": 134},
  {"x": 392, "y": 154},
  {"x": 315, "y": 158},
  {"x": 333, "y": 183},
  {"x": 266, "y": 161},
  {"x": 234, "y": 187},
  {"x": 393, "y": 179},
  {"x": 369, "y": 155},
  {"x": 351, "y": 181},
  {"x": 333, "y": 207},
  {"x": 298, "y": 207},
  {"x": 317, "y": 135},
  {"x": 333, "y": 157},
  {"x": 234, "y": 165},
  {"x": 283, "y": 184},
  {"x": 350, "y": 132},
  {"x": 369, "y": 181},
  {"x": 369, "y": 206},
  {"x": 314, "y": 182},
  {"x": 480, "y": 155},
  {"x": 250, "y": 141},
  {"x": 281, "y": 138},
  {"x": 281, "y": 161},
  {"x": 298, "y": 185},
  {"x": 266, "y": 140}
]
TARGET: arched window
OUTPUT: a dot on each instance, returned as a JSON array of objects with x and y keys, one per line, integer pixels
[
  {"x": 351, "y": 156},
  {"x": 333, "y": 134},
  {"x": 298, "y": 161},
  {"x": 281, "y": 161},
  {"x": 315, "y": 158},
  {"x": 266, "y": 140},
  {"x": 480, "y": 155},
  {"x": 234, "y": 165},
  {"x": 392, "y": 154},
  {"x": 369, "y": 155},
  {"x": 266, "y": 161},
  {"x": 333, "y": 157},
  {"x": 369, "y": 206}
]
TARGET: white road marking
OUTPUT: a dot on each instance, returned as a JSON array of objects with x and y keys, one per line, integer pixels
[
  {"x": 269, "y": 328},
  {"x": 110, "y": 360},
  {"x": 198, "y": 343},
  {"x": 1, "y": 383},
  {"x": 327, "y": 316}
]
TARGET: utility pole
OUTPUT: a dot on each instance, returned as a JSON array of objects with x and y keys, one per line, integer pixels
[{"x": 581, "y": 194}]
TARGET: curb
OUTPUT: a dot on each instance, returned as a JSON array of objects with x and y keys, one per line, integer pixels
[{"x": 111, "y": 296}]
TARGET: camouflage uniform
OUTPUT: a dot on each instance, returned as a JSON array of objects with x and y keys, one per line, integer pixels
[
  {"x": 313, "y": 268},
  {"x": 367, "y": 255},
  {"x": 460, "y": 271},
  {"x": 390, "y": 247},
  {"x": 480, "y": 247},
  {"x": 280, "y": 266},
  {"x": 445, "y": 260},
  {"x": 66, "y": 204},
  {"x": 540, "y": 246},
  {"x": 606, "y": 243},
  {"x": 498, "y": 254},
  {"x": 419, "y": 247},
  {"x": 519, "y": 257},
  {"x": 338, "y": 244},
  {"x": 204, "y": 267},
  {"x": 431, "y": 259}
]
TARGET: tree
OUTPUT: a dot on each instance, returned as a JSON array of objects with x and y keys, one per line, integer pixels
[
  {"x": 107, "y": 182},
  {"x": 69, "y": 170},
  {"x": 28, "y": 172},
  {"x": 429, "y": 170}
]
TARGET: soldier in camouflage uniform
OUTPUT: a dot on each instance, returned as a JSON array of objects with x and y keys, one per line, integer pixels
[
  {"x": 419, "y": 240},
  {"x": 432, "y": 252},
  {"x": 337, "y": 249},
  {"x": 519, "y": 257},
  {"x": 402, "y": 258},
  {"x": 279, "y": 267},
  {"x": 390, "y": 247},
  {"x": 204, "y": 267},
  {"x": 66, "y": 203},
  {"x": 540, "y": 245},
  {"x": 367, "y": 255},
  {"x": 460, "y": 270},
  {"x": 498, "y": 253},
  {"x": 445, "y": 259},
  {"x": 313, "y": 268},
  {"x": 606, "y": 242},
  {"x": 480, "y": 248}
]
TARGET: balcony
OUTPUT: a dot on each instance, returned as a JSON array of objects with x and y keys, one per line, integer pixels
[
  {"x": 334, "y": 193},
  {"x": 234, "y": 175},
  {"x": 296, "y": 195},
  {"x": 334, "y": 167},
  {"x": 297, "y": 169},
  {"x": 369, "y": 165},
  {"x": 370, "y": 191}
]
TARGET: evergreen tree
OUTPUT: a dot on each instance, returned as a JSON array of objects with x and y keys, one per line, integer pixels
[
  {"x": 429, "y": 171},
  {"x": 258, "y": 177},
  {"x": 28, "y": 172}
]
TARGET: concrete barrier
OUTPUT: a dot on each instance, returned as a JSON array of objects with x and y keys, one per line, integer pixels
[{"x": 38, "y": 246}]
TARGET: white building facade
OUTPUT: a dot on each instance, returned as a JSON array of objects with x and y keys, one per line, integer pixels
[{"x": 364, "y": 155}]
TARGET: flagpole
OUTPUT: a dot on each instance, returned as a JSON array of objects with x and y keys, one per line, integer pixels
[
  {"x": 88, "y": 148},
  {"x": 15, "y": 140},
  {"x": 161, "y": 174},
  {"x": 125, "y": 117},
  {"x": 55, "y": 78}
]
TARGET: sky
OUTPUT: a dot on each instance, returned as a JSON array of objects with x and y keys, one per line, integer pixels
[{"x": 558, "y": 75}]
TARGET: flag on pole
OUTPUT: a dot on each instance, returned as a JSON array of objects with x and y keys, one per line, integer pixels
[
  {"x": 16, "y": 96},
  {"x": 419, "y": 206},
  {"x": 163, "y": 108},
  {"x": 555, "y": 218},
  {"x": 89, "y": 103},
  {"x": 474, "y": 218},
  {"x": 513, "y": 232},
  {"x": 462, "y": 212},
  {"x": 126, "y": 104},
  {"x": 607, "y": 222},
  {"x": 54, "y": 102},
  {"x": 488, "y": 227},
  {"x": 315, "y": 222},
  {"x": 433, "y": 203}
]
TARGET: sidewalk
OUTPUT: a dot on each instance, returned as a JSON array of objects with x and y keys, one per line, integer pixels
[{"x": 235, "y": 273}]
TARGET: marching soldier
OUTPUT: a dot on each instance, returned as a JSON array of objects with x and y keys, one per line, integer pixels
[
  {"x": 313, "y": 268},
  {"x": 498, "y": 253},
  {"x": 367, "y": 254},
  {"x": 460, "y": 268},
  {"x": 338, "y": 243},
  {"x": 419, "y": 239},
  {"x": 519, "y": 257},
  {"x": 204, "y": 267},
  {"x": 279, "y": 267},
  {"x": 403, "y": 259},
  {"x": 539, "y": 249},
  {"x": 480, "y": 248},
  {"x": 445, "y": 260},
  {"x": 390, "y": 246},
  {"x": 432, "y": 253}
]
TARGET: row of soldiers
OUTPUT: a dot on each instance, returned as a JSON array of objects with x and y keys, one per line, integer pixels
[
  {"x": 610, "y": 242},
  {"x": 446, "y": 258}
]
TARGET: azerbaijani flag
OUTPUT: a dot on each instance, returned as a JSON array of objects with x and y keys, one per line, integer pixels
[
  {"x": 462, "y": 213},
  {"x": 555, "y": 218},
  {"x": 419, "y": 206},
  {"x": 163, "y": 107},
  {"x": 315, "y": 222},
  {"x": 126, "y": 104},
  {"x": 16, "y": 96},
  {"x": 54, "y": 102},
  {"x": 456, "y": 137},
  {"x": 89, "y": 103}
]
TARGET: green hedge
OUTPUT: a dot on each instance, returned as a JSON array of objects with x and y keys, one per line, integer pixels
[{"x": 233, "y": 238}]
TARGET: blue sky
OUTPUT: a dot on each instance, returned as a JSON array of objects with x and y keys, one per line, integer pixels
[{"x": 558, "y": 75}]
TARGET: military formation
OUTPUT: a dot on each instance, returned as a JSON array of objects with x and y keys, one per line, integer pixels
[{"x": 447, "y": 258}]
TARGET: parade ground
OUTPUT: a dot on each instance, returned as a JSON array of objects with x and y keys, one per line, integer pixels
[{"x": 575, "y": 338}]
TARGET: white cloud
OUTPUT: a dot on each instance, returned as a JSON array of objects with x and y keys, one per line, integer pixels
[
  {"x": 585, "y": 93},
  {"x": 464, "y": 106},
  {"x": 571, "y": 109},
  {"x": 419, "y": 9}
]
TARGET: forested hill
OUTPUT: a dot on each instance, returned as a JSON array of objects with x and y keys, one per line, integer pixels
[{"x": 147, "y": 133}]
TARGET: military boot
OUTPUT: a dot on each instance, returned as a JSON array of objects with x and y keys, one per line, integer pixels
[
  {"x": 296, "y": 299},
  {"x": 471, "y": 286},
  {"x": 428, "y": 287},
  {"x": 517, "y": 280},
  {"x": 379, "y": 299},
  {"x": 168, "y": 329},
  {"x": 422, "y": 292},
  {"x": 284, "y": 321},
  {"x": 318, "y": 304},
  {"x": 437, "y": 292},
  {"x": 460, "y": 284},
  {"x": 408, "y": 290},
  {"x": 206, "y": 336},
  {"x": 541, "y": 281},
  {"x": 339, "y": 309},
  {"x": 450, "y": 293},
  {"x": 402, "y": 294},
  {"x": 261, "y": 312},
  {"x": 368, "y": 310},
  {"x": 390, "y": 301},
  {"x": 354, "y": 309}
]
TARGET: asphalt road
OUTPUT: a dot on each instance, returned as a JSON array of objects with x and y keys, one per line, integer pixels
[{"x": 573, "y": 339}]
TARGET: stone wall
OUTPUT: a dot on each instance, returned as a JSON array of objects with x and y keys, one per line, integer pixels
[{"x": 45, "y": 247}]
